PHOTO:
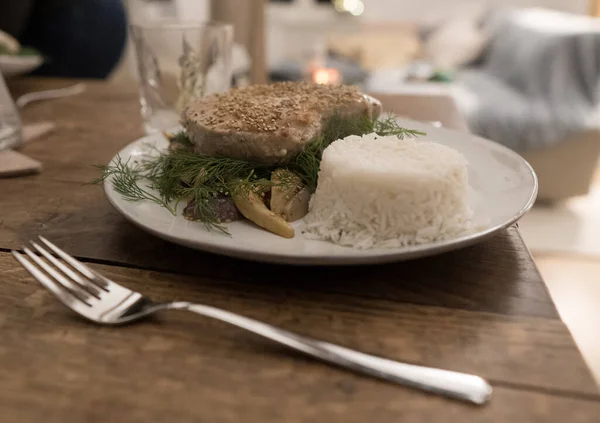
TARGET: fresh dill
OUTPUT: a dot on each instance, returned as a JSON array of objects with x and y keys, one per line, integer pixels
[
  {"x": 128, "y": 181},
  {"x": 181, "y": 174}
]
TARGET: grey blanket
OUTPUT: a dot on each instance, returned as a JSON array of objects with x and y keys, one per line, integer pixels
[{"x": 537, "y": 82}]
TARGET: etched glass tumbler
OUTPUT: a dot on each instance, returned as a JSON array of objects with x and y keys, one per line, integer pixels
[{"x": 177, "y": 62}]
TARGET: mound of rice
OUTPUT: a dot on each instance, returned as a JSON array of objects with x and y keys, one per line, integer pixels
[{"x": 378, "y": 191}]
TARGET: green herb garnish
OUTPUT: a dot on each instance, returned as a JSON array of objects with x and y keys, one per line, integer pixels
[
  {"x": 128, "y": 181},
  {"x": 180, "y": 174}
]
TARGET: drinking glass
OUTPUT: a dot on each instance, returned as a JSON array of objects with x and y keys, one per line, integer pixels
[
  {"x": 179, "y": 61},
  {"x": 10, "y": 123}
]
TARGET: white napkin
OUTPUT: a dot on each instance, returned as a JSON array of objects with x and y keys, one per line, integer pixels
[{"x": 13, "y": 163}]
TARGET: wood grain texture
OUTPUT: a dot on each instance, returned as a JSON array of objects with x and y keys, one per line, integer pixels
[
  {"x": 496, "y": 276},
  {"x": 483, "y": 309},
  {"x": 183, "y": 367}
]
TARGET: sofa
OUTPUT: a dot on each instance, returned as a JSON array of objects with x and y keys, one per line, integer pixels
[
  {"x": 527, "y": 79},
  {"x": 536, "y": 89}
]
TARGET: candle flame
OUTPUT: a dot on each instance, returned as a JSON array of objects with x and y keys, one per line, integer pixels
[{"x": 326, "y": 76}]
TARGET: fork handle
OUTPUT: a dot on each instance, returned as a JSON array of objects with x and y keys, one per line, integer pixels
[{"x": 456, "y": 385}]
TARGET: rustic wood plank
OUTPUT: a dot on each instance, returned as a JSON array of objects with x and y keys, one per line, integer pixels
[
  {"x": 181, "y": 367},
  {"x": 282, "y": 395},
  {"x": 497, "y": 275},
  {"x": 482, "y": 310},
  {"x": 515, "y": 351}
]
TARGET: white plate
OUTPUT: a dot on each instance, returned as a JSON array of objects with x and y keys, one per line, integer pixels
[
  {"x": 18, "y": 65},
  {"x": 503, "y": 188}
]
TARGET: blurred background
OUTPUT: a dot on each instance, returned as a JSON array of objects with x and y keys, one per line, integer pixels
[{"x": 523, "y": 73}]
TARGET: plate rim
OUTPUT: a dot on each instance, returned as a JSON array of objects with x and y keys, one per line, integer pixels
[
  {"x": 18, "y": 65},
  {"x": 365, "y": 257}
]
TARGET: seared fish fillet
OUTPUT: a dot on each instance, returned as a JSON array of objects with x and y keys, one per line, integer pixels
[{"x": 270, "y": 123}]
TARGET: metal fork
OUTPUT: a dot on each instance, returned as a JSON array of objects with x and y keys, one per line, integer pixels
[{"x": 103, "y": 301}]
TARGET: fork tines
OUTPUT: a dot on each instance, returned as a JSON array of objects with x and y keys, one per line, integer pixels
[{"x": 61, "y": 273}]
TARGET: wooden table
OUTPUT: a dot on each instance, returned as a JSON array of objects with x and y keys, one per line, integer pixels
[{"x": 482, "y": 310}]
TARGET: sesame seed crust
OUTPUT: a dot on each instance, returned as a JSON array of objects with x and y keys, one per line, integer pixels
[{"x": 267, "y": 123}]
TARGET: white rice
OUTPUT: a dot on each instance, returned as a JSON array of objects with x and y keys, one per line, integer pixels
[{"x": 385, "y": 192}]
